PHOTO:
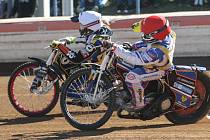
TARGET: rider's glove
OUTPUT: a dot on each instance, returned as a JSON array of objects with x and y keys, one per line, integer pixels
[
  {"x": 127, "y": 45},
  {"x": 108, "y": 44},
  {"x": 72, "y": 40},
  {"x": 68, "y": 40},
  {"x": 55, "y": 44}
]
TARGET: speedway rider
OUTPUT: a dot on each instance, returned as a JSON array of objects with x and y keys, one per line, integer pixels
[
  {"x": 92, "y": 28},
  {"x": 152, "y": 56}
]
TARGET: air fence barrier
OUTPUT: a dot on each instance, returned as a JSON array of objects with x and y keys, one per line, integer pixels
[{"x": 21, "y": 38}]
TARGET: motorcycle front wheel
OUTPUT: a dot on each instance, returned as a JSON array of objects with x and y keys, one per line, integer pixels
[
  {"x": 22, "y": 99},
  {"x": 76, "y": 104}
]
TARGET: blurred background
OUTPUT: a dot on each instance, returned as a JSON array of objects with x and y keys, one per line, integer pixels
[{"x": 46, "y": 8}]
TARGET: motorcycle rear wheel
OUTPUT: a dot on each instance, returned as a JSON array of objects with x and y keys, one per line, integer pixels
[
  {"x": 85, "y": 116},
  {"x": 199, "y": 110},
  {"x": 25, "y": 102}
]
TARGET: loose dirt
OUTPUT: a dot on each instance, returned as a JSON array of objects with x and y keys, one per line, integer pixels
[{"x": 53, "y": 126}]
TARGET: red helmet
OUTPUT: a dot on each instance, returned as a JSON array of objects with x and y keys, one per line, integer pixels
[{"x": 153, "y": 27}]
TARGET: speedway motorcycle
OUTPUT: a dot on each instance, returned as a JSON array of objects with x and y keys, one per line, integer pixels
[
  {"x": 90, "y": 95},
  {"x": 34, "y": 86}
]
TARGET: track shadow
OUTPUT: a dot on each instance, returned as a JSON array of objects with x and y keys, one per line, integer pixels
[
  {"x": 78, "y": 134},
  {"x": 28, "y": 120}
]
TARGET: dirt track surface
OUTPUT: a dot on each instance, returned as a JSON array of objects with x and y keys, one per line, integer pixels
[{"x": 53, "y": 126}]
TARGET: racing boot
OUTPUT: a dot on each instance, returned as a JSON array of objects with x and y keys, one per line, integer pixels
[{"x": 137, "y": 102}]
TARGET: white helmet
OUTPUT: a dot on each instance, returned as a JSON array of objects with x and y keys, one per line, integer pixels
[{"x": 91, "y": 20}]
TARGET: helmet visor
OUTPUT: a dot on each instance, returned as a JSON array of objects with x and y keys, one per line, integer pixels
[
  {"x": 136, "y": 27},
  {"x": 84, "y": 31}
]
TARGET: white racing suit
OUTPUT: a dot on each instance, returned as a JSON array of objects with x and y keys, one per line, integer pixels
[
  {"x": 70, "y": 56},
  {"x": 151, "y": 61},
  {"x": 90, "y": 42}
]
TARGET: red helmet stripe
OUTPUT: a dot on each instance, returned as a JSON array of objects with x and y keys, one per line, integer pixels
[{"x": 92, "y": 23}]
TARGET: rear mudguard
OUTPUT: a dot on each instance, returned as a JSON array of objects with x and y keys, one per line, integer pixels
[
  {"x": 182, "y": 81},
  {"x": 193, "y": 68},
  {"x": 52, "y": 68}
]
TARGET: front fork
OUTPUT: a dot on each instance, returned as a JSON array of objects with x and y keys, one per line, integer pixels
[
  {"x": 42, "y": 72},
  {"x": 105, "y": 63}
]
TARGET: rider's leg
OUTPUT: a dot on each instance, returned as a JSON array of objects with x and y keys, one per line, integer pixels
[{"x": 134, "y": 80}]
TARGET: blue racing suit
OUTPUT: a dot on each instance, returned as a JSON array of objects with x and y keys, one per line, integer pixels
[{"x": 151, "y": 61}]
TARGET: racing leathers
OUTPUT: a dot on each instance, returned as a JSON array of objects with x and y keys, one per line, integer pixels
[
  {"x": 90, "y": 42},
  {"x": 150, "y": 61},
  {"x": 69, "y": 56}
]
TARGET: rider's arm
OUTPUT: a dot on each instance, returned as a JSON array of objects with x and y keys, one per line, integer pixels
[
  {"x": 148, "y": 57},
  {"x": 139, "y": 46},
  {"x": 73, "y": 40}
]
